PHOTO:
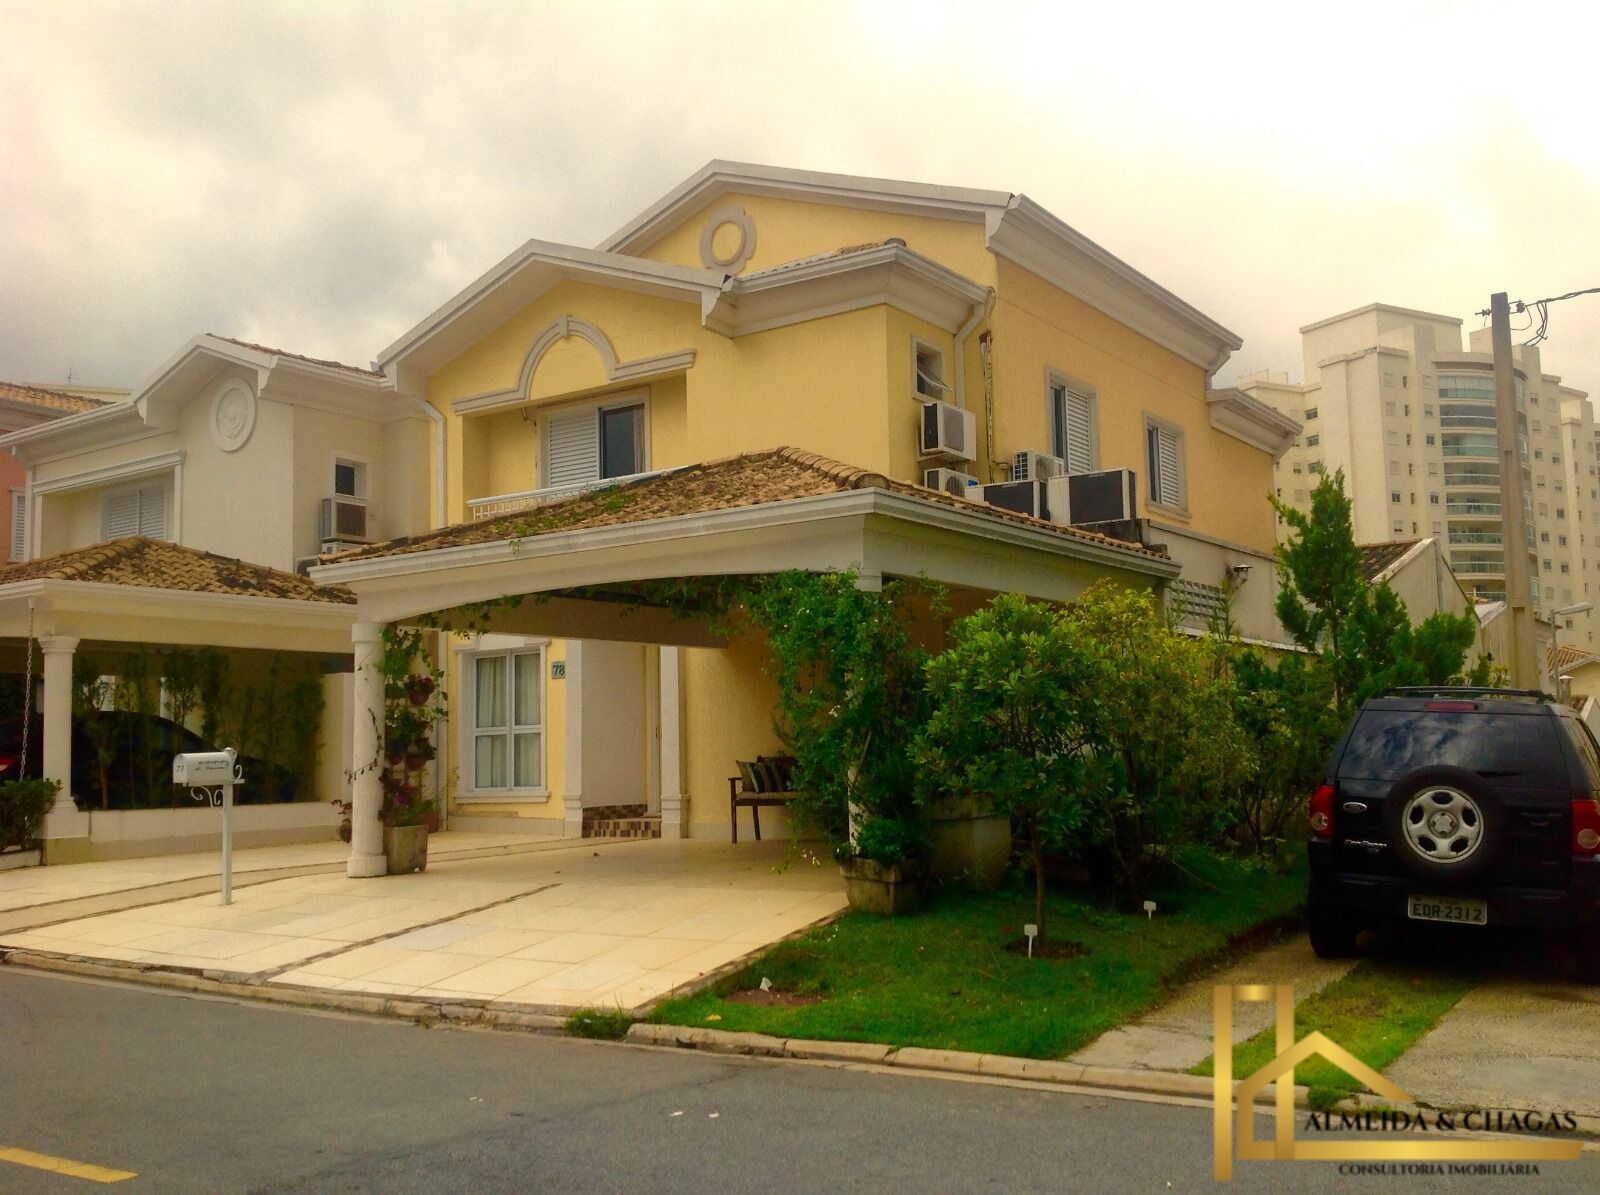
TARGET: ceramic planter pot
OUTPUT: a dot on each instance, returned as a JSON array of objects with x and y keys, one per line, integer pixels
[
  {"x": 888, "y": 889},
  {"x": 406, "y": 848}
]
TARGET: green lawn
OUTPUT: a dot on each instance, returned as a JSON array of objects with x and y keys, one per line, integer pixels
[
  {"x": 942, "y": 979},
  {"x": 1376, "y": 1012}
]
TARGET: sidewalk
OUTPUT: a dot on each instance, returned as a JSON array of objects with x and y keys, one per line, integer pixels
[{"x": 545, "y": 926}]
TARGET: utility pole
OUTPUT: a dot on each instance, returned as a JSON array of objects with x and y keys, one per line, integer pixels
[{"x": 1524, "y": 661}]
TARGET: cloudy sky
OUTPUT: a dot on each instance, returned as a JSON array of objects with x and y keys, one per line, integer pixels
[{"x": 320, "y": 175}]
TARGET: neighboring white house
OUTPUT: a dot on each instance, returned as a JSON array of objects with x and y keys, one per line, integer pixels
[{"x": 250, "y": 460}]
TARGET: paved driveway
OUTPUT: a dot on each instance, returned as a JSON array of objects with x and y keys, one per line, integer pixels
[{"x": 580, "y": 925}]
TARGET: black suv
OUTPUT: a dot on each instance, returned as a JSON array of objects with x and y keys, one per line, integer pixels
[{"x": 1474, "y": 807}]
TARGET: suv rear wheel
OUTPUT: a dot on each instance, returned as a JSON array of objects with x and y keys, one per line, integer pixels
[
  {"x": 1445, "y": 824},
  {"x": 1333, "y": 933}
]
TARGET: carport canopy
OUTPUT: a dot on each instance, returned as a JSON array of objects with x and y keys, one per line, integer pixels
[{"x": 748, "y": 515}]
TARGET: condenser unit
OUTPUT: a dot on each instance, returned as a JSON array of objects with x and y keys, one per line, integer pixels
[
  {"x": 962, "y": 485},
  {"x": 1105, "y": 496},
  {"x": 1036, "y": 466},
  {"x": 947, "y": 431},
  {"x": 344, "y": 519},
  {"x": 1024, "y": 497}
]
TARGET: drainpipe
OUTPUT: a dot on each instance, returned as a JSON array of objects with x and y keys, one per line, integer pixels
[
  {"x": 980, "y": 312},
  {"x": 985, "y": 350},
  {"x": 439, "y": 503}
]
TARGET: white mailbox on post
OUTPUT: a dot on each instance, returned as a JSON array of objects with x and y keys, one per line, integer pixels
[{"x": 211, "y": 775}]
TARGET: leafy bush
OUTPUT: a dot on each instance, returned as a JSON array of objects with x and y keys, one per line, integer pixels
[
  {"x": 886, "y": 840},
  {"x": 23, "y": 804},
  {"x": 851, "y": 697}
]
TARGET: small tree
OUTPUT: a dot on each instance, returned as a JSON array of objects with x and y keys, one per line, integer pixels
[
  {"x": 1163, "y": 730},
  {"x": 1012, "y": 701},
  {"x": 1321, "y": 586}
]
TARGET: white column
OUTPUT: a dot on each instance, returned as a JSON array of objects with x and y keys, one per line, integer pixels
[
  {"x": 63, "y": 821},
  {"x": 572, "y": 797},
  {"x": 674, "y": 802},
  {"x": 366, "y": 756}
]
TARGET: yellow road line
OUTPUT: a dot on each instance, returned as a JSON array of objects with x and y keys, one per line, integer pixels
[{"x": 87, "y": 1170}]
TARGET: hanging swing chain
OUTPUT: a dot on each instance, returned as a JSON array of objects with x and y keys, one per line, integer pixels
[{"x": 27, "y": 701}]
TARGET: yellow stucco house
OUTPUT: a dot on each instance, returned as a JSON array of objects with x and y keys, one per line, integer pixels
[{"x": 766, "y": 369}]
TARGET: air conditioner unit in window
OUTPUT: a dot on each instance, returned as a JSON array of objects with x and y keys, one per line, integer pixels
[
  {"x": 947, "y": 431},
  {"x": 1104, "y": 496},
  {"x": 962, "y": 485},
  {"x": 1024, "y": 497},
  {"x": 345, "y": 519},
  {"x": 1036, "y": 466}
]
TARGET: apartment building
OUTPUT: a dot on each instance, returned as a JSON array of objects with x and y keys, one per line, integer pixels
[{"x": 1391, "y": 396}]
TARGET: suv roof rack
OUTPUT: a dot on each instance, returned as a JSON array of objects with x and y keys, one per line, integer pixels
[{"x": 1466, "y": 690}]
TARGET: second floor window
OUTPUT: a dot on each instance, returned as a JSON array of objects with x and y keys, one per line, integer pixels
[
  {"x": 1072, "y": 427},
  {"x": 1165, "y": 455},
  {"x": 588, "y": 444},
  {"x": 141, "y": 511}
]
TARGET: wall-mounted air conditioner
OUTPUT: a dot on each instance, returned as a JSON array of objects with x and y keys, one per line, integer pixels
[
  {"x": 345, "y": 519},
  {"x": 1024, "y": 497},
  {"x": 1105, "y": 496},
  {"x": 962, "y": 485},
  {"x": 1036, "y": 466},
  {"x": 947, "y": 431}
]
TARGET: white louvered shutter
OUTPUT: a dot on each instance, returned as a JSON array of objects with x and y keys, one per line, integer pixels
[
  {"x": 572, "y": 448},
  {"x": 1079, "y": 439},
  {"x": 121, "y": 515},
  {"x": 1164, "y": 468},
  {"x": 19, "y": 523},
  {"x": 153, "y": 512}
]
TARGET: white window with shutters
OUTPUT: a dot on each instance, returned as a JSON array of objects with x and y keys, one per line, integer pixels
[
  {"x": 1164, "y": 459},
  {"x": 1073, "y": 431},
  {"x": 594, "y": 442},
  {"x": 140, "y": 510},
  {"x": 19, "y": 523}
]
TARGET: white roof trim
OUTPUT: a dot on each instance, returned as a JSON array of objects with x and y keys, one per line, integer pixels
[
  {"x": 568, "y": 260},
  {"x": 719, "y": 177},
  {"x": 889, "y": 274},
  {"x": 871, "y": 500},
  {"x": 1235, "y": 413},
  {"x": 1043, "y": 244}
]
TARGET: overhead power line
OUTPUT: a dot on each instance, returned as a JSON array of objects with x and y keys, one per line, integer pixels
[{"x": 1540, "y": 311}]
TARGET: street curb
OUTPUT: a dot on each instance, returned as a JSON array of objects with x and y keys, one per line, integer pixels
[
  {"x": 476, "y": 1013},
  {"x": 996, "y": 1066},
  {"x": 961, "y": 1062}
]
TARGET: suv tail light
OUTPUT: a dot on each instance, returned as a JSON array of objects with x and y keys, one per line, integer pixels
[
  {"x": 1585, "y": 824},
  {"x": 1322, "y": 813}
]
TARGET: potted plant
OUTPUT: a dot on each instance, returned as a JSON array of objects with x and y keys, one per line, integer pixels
[
  {"x": 414, "y": 705},
  {"x": 23, "y": 805},
  {"x": 884, "y": 871}
]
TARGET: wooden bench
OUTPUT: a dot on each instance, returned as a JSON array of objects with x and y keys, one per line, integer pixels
[{"x": 743, "y": 795}]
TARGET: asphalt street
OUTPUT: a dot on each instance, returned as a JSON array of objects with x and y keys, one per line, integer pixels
[{"x": 195, "y": 1094}]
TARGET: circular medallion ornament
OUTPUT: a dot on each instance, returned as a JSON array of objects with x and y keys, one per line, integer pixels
[
  {"x": 725, "y": 252},
  {"x": 233, "y": 416}
]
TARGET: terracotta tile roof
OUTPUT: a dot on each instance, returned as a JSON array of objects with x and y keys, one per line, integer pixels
[
  {"x": 751, "y": 479},
  {"x": 1377, "y": 557},
  {"x": 49, "y": 400},
  {"x": 157, "y": 564},
  {"x": 267, "y": 348},
  {"x": 1565, "y": 656}
]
